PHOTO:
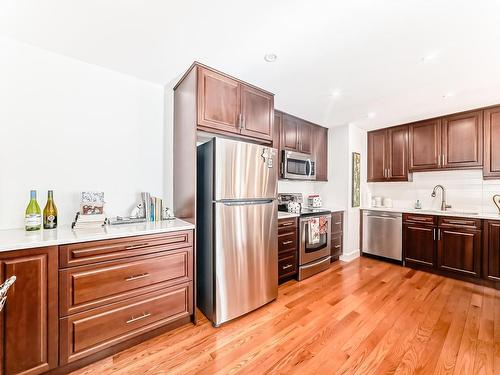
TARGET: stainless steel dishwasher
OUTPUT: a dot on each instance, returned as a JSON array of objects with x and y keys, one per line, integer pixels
[{"x": 382, "y": 234}]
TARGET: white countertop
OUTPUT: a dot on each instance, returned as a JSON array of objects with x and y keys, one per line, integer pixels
[
  {"x": 457, "y": 213},
  {"x": 286, "y": 215},
  {"x": 15, "y": 239}
]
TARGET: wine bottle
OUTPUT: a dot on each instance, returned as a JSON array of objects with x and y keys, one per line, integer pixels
[
  {"x": 33, "y": 216},
  {"x": 50, "y": 212}
]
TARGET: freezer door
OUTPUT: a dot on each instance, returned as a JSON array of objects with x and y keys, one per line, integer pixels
[
  {"x": 246, "y": 257},
  {"x": 245, "y": 170}
]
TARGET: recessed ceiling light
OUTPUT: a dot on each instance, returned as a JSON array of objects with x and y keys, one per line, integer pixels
[
  {"x": 371, "y": 115},
  {"x": 430, "y": 57},
  {"x": 448, "y": 95},
  {"x": 270, "y": 57}
]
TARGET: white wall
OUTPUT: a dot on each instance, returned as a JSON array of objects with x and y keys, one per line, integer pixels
[
  {"x": 337, "y": 191},
  {"x": 465, "y": 190},
  {"x": 71, "y": 126}
]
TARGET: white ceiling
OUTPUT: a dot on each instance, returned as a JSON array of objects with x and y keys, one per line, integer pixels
[{"x": 369, "y": 51}]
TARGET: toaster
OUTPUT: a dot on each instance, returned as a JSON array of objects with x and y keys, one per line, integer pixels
[{"x": 314, "y": 201}]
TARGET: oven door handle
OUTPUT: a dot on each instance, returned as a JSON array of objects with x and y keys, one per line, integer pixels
[{"x": 322, "y": 260}]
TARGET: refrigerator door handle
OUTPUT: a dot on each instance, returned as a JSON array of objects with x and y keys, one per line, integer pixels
[{"x": 247, "y": 203}]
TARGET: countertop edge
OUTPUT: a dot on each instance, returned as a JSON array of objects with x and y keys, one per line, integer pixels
[
  {"x": 482, "y": 216},
  {"x": 179, "y": 225}
]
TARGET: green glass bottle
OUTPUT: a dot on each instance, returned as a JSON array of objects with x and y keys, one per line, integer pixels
[
  {"x": 33, "y": 216},
  {"x": 50, "y": 212}
]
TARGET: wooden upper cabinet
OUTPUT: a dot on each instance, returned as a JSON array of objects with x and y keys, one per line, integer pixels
[
  {"x": 320, "y": 152},
  {"x": 491, "y": 167},
  {"x": 377, "y": 155},
  {"x": 257, "y": 110},
  {"x": 398, "y": 153},
  {"x": 29, "y": 320},
  {"x": 462, "y": 140},
  {"x": 425, "y": 145},
  {"x": 218, "y": 101},
  {"x": 290, "y": 133},
  {"x": 388, "y": 154},
  {"x": 305, "y": 137}
]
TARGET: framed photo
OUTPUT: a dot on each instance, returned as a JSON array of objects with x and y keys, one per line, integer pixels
[{"x": 356, "y": 177}]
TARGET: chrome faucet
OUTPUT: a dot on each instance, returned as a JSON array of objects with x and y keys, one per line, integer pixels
[{"x": 444, "y": 206}]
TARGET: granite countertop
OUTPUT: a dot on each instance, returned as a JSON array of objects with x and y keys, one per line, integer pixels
[
  {"x": 16, "y": 239},
  {"x": 455, "y": 213}
]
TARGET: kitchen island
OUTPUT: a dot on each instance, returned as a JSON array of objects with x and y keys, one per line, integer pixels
[{"x": 82, "y": 295}]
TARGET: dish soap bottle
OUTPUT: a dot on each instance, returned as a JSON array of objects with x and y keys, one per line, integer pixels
[{"x": 418, "y": 205}]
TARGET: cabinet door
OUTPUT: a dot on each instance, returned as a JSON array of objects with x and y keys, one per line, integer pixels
[
  {"x": 290, "y": 133},
  {"x": 257, "y": 109},
  {"x": 218, "y": 101},
  {"x": 491, "y": 251},
  {"x": 419, "y": 246},
  {"x": 377, "y": 151},
  {"x": 492, "y": 143},
  {"x": 462, "y": 140},
  {"x": 305, "y": 137},
  {"x": 398, "y": 153},
  {"x": 459, "y": 251},
  {"x": 29, "y": 319},
  {"x": 320, "y": 146},
  {"x": 425, "y": 145}
]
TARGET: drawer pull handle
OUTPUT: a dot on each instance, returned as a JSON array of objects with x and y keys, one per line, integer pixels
[
  {"x": 287, "y": 242},
  {"x": 459, "y": 222},
  {"x": 135, "y": 319},
  {"x": 418, "y": 218},
  {"x": 136, "y": 277},
  {"x": 287, "y": 266},
  {"x": 136, "y": 246},
  {"x": 286, "y": 224},
  {"x": 337, "y": 246},
  {"x": 338, "y": 223}
]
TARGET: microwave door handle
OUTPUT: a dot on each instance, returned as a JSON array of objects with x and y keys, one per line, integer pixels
[{"x": 309, "y": 173}]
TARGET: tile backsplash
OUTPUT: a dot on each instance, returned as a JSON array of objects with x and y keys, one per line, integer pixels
[{"x": 465, "y": 190}]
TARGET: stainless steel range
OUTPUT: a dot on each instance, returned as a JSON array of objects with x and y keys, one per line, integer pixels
[{"x": 314, "y": 235}]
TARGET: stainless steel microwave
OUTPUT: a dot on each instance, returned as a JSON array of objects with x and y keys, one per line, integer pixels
[{"x": 298, "y": 166}]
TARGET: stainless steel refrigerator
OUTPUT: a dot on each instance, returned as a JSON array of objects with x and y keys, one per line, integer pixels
[{"x": 237, "y": 228}]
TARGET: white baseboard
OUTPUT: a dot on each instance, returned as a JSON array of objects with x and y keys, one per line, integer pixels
[{"x": 347, "y": 257}]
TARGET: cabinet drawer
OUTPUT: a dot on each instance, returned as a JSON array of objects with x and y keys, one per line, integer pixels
[
  {"x": 337, "y": 222},
  {"x": 287, "y": 241},
  {"x": 98, "y": 251},
  {"x": 286, "y": 224},
  {"x": 287, "y": 254},
  {"x": 336, "y": 246},
  {"x": 418, "y": 218},
  {"x": 92, "y": 331},
  {"x": 287, "y": 266},
  {"x": 453, "y": 222},
  {"x": 90, "y": 286}
]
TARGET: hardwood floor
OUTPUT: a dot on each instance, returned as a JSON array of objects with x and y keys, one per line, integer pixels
[{"x": 363, "y": 317}]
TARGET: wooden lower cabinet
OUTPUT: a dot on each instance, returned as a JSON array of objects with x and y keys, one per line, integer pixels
[
  {"x": 337, "y": 237},
  {"x": 86, "y": 333},
  {"x": 287, "y": 248},
  {"x": 459, "y": 251},
  {"x": 419, "y": 245},
  {"x": 112, "y": 291},
  {"x": 491, "y": 251},
  {"x": 28, "y": 324}
]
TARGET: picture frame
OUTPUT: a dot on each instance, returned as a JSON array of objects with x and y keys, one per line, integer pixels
[{"x": 356, "y": 179}]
